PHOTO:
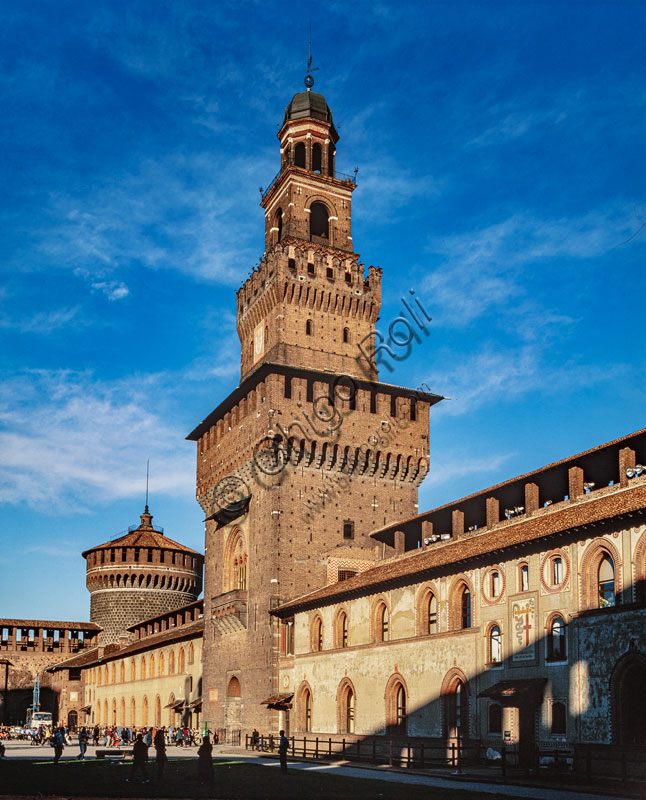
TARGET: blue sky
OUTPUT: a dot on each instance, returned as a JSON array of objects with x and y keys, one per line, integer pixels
[{"x": 501, "y": 176}]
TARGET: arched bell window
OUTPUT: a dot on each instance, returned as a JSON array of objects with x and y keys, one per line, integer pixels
[
  {"x": 349, "y": 711},
  {"x": 330, "y": 159},
  {"x": 299, "y": 154},
  {"x": 319, "y": 220},
  {"x": 317, "y": 158},
  {"x": 606, "y": 579}
]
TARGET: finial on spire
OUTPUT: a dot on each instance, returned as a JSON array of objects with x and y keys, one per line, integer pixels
[
  {"x": 309, "y": 80},
  {"x": 147, "y": 474}
]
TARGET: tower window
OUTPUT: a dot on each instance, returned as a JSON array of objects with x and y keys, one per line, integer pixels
[
  {"x": 346, "y": 335},
  {"x": 319, "y": 220},
  {"x": 606, "y": 582},
  {"x": 348, "y": 277},
  {"x": 278, "y": 224},
  {"x": 291, "y": 263},
  {"x": 310, "y": 268},
  {"x": 317, "y": 158},
  {"x": 309, "y": 327},
  {"x": 299, "y": 154},
  {"x": 330, "y": 159},
  {"x": 330, "y": 273},
  {"x": 348, "y": 529}
]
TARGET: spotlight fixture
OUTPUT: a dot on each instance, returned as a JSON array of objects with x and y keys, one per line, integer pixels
[
  {"x": 514, "y": 512},
  {"x": 588, "y": 487},
  {"x": 636, "y": 471},
  {"x": 547, "y": 503}
]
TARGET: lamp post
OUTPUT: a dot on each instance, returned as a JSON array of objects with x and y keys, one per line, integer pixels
[{"x": 4, "y": 662}]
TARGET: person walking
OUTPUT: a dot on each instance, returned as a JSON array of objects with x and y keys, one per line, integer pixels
[
  {"x": 84, "y": 738},
  {"x": 139, "y": 759},
  {"x": 205, "y": 761},
  {"x": 283, "y": 746},
  {"x": 160, "y": 753},
  {"x": 58, "y": 740}
]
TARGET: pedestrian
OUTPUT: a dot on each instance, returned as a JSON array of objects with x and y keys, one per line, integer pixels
[
  {"x": 283, "y": 746},
  {"x": 83, "y": 740},
  {"x": 205, "y": 761},
  {"x": 58, "y": 740},
  {"x": 178, "y": 738},
  {"x": 160, "y": 753},
  {"x": 95, "y": 735},
  {"x": 139, "y": 759},
  {"x": 255, "y": 737}
]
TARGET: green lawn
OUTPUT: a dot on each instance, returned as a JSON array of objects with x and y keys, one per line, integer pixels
[{"x": 233, "y": 779}]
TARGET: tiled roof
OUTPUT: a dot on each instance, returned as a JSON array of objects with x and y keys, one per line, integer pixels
[
  {"x": 588, "y": 510},
  {"x": 85, "y": 658},
  {"x": 143, "y": 537}
]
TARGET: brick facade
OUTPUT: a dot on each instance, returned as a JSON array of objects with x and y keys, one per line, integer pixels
[{"x": 310, "y": 451}]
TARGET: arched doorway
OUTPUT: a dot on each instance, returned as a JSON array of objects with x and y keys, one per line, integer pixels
[
  {"x": 233, "y": 709},
  {"x": 628, "y": 698},
  {"x": 72, "y": 720}
]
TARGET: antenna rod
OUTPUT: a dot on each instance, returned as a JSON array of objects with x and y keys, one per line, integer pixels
[{"x": 147, "y": 473}]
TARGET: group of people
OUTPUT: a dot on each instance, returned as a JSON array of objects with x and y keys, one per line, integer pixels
[
  {"x": 140, "y": 758},
  {"x": 114, "y": 736}
]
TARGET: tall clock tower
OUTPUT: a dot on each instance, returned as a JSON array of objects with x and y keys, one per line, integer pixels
[{"x": 310, "y": 453}]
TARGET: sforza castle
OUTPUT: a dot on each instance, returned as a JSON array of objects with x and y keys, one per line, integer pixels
[{"x": 332, "y": 607}]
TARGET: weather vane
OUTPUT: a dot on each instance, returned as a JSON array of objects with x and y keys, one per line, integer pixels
[{"x": 309, "y": 79}]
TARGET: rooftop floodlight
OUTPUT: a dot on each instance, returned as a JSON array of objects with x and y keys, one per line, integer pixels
[
  {"x": 630, "y": 472},
  {"x": 445, "y": 536},
  {"x": 519, "y": 509},
  {"x": 427, "y": 541},
  {"x": 547, "y": 503},
  {"x": 508, "y": 513},
  {"x": 639, "y": 469},
  {"x": 589, "y": 486}
]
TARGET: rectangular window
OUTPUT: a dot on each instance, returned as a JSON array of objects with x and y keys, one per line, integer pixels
[
  {"x": 288, "y": 386},
  {"x": 310, "y": 268},
  {"x": 330, "y": 273},
  {"x": 373, "y": 402},
  {"x": 524, "y": 578},
  {"x": 557, "y": 571},
  {"x": 291, "y": 263},
  {"x": 348, "y": 529},
  {"x": 348, "y": 277},
  {"x": 344, "y": 574}
]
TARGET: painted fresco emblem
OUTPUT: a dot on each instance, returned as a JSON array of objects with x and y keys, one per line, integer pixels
[{"x": 524, "y": 622}]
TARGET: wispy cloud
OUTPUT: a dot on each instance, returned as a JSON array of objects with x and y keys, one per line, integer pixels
[
  {"x": 453, "y": 469},
  {"x": 69, "y": 442},
  {"x": 43, "y": 322},
  {"x": 485, "y": 269},
  {"x": 491, "y": 376}
]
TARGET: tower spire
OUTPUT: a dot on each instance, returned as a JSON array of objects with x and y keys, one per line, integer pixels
[
  {"x": 147, "y": 474},
  {"x": 309, "y": 80}
]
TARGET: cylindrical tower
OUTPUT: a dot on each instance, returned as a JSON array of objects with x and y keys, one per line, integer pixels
[{"x": 139, "y": 575}]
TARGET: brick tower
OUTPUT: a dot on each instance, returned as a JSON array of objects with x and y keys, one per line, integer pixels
[
  {"x": 310, "y": 453},
  {"x": 138, "y": 576}
]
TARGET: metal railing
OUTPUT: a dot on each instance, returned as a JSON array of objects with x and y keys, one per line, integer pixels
[{"x": 339, "y": 176}]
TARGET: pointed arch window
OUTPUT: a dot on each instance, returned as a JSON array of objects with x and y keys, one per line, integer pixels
[
  {"x": 606, "y": 580},
  {"x": 307, "y": 710},
  {"x": 465, "y": 607},
  {"x": 431, "y": 614},
  {"x": 556, "y": 642},
  {"x": 349, "y": 711},
  {"x": 382, "y": 623},
  {"x": 317, "y": 635},
  {"x": 495, "y": 645},
  {"x": 171, "y": 662},
  {"x": 523, "y": 577},
  {"x": 400, "y": 701},
  {"x": 181, "y": 663}
]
